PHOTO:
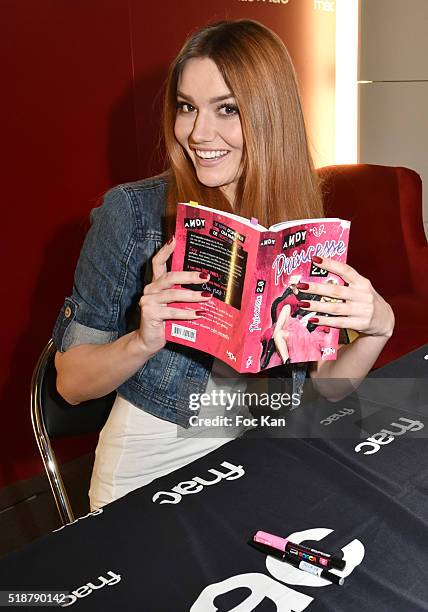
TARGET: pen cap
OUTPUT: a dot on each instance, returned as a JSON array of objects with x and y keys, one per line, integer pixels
[
  {"x": 271, "y": 540},
  {"x": 337, "y": 563}
]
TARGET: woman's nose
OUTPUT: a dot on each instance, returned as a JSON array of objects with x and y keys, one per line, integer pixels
[{"x": 203, "y": 128}]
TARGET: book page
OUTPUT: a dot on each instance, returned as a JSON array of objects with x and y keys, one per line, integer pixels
[
  {"x": 286, "y": 224},
  {"x": 284, "y": 260},
  {"x": 210, "y": 241},
  {"x": 229, "y": 215}
]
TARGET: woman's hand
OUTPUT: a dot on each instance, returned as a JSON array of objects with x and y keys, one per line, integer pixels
[
  {"x": 159, "y": 293},
  {"x": 281, "y": 335},
  {"x": 360, "y": 307}
]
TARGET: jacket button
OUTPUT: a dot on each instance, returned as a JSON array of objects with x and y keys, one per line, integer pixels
[{"x": 67, "y": 312}]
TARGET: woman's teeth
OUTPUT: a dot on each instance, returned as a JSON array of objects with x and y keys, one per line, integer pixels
[{"x": 210, "y": 154}]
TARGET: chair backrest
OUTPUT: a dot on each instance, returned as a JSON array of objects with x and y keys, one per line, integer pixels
[
  {"x": 384, "y": 205},
  {"x": 61, "y": 418}
]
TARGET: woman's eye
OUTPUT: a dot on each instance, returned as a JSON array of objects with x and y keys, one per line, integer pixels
[
  {"x": 185, "y": 107},
  {"x": 228, "y": 109}
]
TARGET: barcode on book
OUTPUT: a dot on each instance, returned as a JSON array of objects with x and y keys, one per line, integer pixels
[{"x": 179, "y": 331}]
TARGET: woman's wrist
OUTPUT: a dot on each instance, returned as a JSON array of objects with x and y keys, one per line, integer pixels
[
  {"x": 389, "y": 324},
  {"x": 138, "y": 348}
]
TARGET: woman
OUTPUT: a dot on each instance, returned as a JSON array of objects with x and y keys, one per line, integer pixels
[{"x": 235, "y": 140}]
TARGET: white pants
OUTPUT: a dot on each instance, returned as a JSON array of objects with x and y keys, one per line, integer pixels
[{"x": 135, "y": 447}]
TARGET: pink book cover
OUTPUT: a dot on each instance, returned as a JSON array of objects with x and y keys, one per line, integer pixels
[{"x": 253, "y": 277}]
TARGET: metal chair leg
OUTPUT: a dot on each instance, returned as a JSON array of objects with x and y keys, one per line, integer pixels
[{"x": 48, "y": 456}]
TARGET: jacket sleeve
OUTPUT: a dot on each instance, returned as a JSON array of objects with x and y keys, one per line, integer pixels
[{"x": 106, "y": 277}]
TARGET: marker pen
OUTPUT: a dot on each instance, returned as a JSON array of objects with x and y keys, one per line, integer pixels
[
  {"x": 295, "y": 562},
  {"x": 303, "y": 553}
]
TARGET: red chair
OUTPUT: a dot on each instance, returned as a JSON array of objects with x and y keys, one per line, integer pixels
[{"x": 387, "y": 242}]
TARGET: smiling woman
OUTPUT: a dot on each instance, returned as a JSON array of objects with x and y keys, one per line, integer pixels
[
  {"x": 235, "y": 139},
  {"x": 249, "y": 64},
  {"x": 208, "y": 126}
]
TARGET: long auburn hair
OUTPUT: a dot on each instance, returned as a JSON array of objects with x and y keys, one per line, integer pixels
[{"x": 277, "y": 180}]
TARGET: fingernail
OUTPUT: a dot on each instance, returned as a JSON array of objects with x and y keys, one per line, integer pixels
[
  {"x": 203, "y": 275},
  {"x": 171, "y": 239},
  {"x": 200, "y": 313},
  {"x": 302, "y": 286},
  {"x": 313, "y": 320},
  {"x": 303, "y": 304},
  {"x": 206, "y": 294},
  {"x": 317, "y": 259}
]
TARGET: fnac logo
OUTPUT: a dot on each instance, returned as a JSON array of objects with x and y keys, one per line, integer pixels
[
  {"x": 324, "y": 5},
  {"x": 273, "y": 587},
  {"x": 386, "y": 436}
]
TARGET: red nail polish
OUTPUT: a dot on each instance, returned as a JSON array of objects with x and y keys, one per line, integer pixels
[
  {"x": 313, "y": 320},
  {"x": 316, "y": 259},
  {"x": 203, "y": 275},
  {"x": 303, "y": 304},
  {"x": 171, "y": 239},
  {"x": 206, "y": 294},
  {"x": 302, "y": 286},
  {"x": 200, "y": 313}
]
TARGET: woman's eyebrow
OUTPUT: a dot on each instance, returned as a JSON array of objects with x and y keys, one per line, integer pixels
[{"x": 211, "y": 101}]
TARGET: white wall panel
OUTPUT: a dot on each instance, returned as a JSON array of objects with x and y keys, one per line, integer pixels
[
  {"x": 394, "y": 127},
  {"x": 393, "y": 110},
  {"x": 394, "y": 40}
]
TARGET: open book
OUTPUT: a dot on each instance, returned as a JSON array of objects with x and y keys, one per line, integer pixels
[{"x": 253, "y": 321}]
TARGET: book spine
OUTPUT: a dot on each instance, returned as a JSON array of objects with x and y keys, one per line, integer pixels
[{"x": 256, "y": 313}]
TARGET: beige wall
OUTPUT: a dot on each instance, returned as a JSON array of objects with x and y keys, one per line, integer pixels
[{"x": 393, "y": 110}]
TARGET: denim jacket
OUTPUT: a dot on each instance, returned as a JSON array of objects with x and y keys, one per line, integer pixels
[{"x": 113, "y": 268}]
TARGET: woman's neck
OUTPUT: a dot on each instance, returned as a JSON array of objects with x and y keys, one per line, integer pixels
[{"x": 229, "y": 192}]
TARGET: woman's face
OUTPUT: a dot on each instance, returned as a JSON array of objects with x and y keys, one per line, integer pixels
[{"x": 208, "y": 126}]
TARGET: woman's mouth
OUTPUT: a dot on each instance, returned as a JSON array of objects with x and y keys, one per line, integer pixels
[{"x": 210, "y": 156}]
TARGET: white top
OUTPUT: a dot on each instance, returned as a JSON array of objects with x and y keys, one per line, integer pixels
[{"x": 136, "y": 447}]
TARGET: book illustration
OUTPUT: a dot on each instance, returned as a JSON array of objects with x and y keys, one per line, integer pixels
[
  {"x": 254, "y": 321},
  {"x": 289, "y": 322}
]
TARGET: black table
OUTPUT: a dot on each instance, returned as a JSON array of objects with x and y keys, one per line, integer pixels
[{"x": 180, "y": 543}]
